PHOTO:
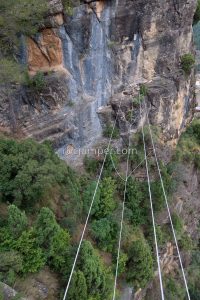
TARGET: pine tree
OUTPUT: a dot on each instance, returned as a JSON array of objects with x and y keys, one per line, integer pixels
[{"x": 17, "y": 221}]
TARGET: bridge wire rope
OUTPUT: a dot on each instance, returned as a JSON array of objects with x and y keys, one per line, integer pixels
[
  {"x": 91, "y": 206},
  {"x": 151, "y": 205},
  {"x": 166, "y": 201},
  {"x": 123, "y": 208}
]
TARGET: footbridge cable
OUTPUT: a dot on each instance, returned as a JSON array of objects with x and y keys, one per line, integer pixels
[
  {"x": 167, "y": 203},
  {"x": 123, "y": 208},
  {"x": 91, "y": 206},
  {"x": 152, "y": 210}
]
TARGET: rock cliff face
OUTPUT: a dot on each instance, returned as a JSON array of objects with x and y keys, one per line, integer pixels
[{"x": 98, "y": 57}]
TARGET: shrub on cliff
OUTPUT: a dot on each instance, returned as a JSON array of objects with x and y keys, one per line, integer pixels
[
  {"x": 19, "y": 17},
  {"x": 29, "y": 171},
  {"x": 187, "y": 63},
  {"x": 36, "y": 82},
  {"x": 188, "y": 148},
  {"x": 140, "y": 263}
]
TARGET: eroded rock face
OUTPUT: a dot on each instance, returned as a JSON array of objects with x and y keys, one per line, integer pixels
[
  {"x": 45, "y": 54},
  {"x": 101, "y": 54}
]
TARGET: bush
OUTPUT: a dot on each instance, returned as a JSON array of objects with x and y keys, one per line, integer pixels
[
  {"x": 174, "y": 290},
  {"x": 36, "y": 82},
  {"x": 17, "y": 221},
  {"x": 187, "y": 63},
  {"x": 186, "y": 242},
  {"x": 29, "y": 170},
  {"x": 91, "y": 165},
  {"x": 109, "y": 130},
  {"x": 188, "y": 149},
  {"x": 140, "y": 263},
  {"x": 178, "y": 224},
  {"x": 197, "y": 13},
  {"x": 135, "y": 197},
  {"x": 97, "y": 278},
  {"x": 143, "y": 90},
  {"x": 32, "y": 255},
  {"x": 105, "y": 231},
  {"x": 78, "y": 288}
]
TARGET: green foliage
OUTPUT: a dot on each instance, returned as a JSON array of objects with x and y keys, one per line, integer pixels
[
  {"x": 91, "y": 165},
  {"x": 108, "y": 131},
  {"x": 10, "y": 71},
  {"x": 17, "y": 221},
  {"x": 105, "y": 231},
  {"x": 174, "y": 290},
  {"x": 112, "y": 158},
  {"x": 59, "y": 254},
  {"x": 68, "y": 6},
  {"x": 188, "y": 149},
  {"x": 78, "y": 288},
  {"x": 197, "y": 13},
  {"x": 123, "y": 258},
  {"x": 136, "y": 102},
  {"x": 45, "y": 227},
  {"x": 186, "y": 242},
  {"x": 178, "y": 224},
  {"x": 140, "y": 263},
  {"x": 29, "y": 170},
  {"x": 54, "y": 240},
  {"x": 33, "y": 257},
  {"x": 187, "y": 63},
  {"x": 88, "y": 196},
  {"x": 104, "y": 202},
  {"x": 97, "y": 279},
  {"x": 11, "y": 277},
  {"x": 107, "y": 193},
  {"x": 169, "y": 183},
  {"x": 31, "y": 249},
  {"x": 36, "y": 82},
  {"x": 10, "y": 259},
  {"x": 135, "y": 197},
  {"x": 143, "y": 90},
  {"x": 17, "y": 18}
]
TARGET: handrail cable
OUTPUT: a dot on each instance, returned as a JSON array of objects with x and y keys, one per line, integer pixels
[
  {"x": 123, "y": 208},
  {"x": 167, "y": 204},
  {"x": 91, "y": 205},
  {"x": 152, "y": 210}
]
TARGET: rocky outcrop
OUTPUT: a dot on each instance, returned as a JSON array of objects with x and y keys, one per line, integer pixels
[
  {"x": 99, "y": 56},
  {"x": 45, "y": 54}
]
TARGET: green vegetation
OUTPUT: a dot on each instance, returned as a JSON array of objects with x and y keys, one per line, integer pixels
[
  {"x": 188, "y": 149},
  {"x": 135, "y": 198},
  {"x": 30, "y": 175},
  {"x": 143, "y": 90},
  {"x": 178, "y": 224},
  {"x": 91, "y": 165},
  {"x": 36, "y": 82},
  {"x": 29, "y": 171},
  {"x": 140, "y": 263},
  {"x": 10, "y": 72},
  {"x": 108, "y": 131},
  {"x": 78, "y": 289},
  {"x": 197, "y": 13},
  {"x": 17, "y": 18},
  {"x": 68, "y": 6},
  {"x": 104, "y": 232},
  {"x": 96, "y": 276},
  {"x": 174, "y": 289},
  {"x": 187, "y": 63},
  {"x": 17, "y": 221}
]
